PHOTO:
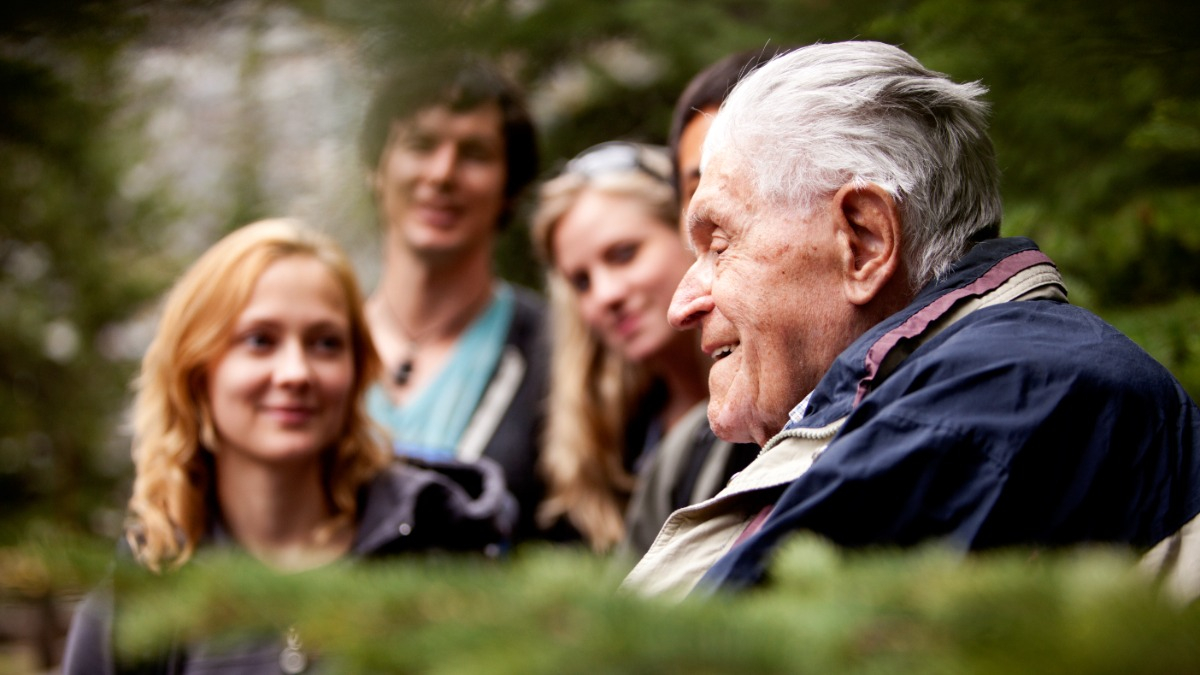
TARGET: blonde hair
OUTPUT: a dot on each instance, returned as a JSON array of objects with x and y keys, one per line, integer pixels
[
  {"x": 173, "y": 429},
  {"x": 593, "y": 389}
]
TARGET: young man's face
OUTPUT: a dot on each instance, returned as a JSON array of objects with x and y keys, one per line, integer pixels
[
  {"x": 691, "y": 143},
  {"x": 441, "y": 177}
]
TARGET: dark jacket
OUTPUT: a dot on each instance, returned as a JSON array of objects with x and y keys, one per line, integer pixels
[
  {"x": 1019, "y": 424},
  {"x": 689, "y": 465},
  {"x": 421, "y": 506},
  {"x": 515, "y": 442}
]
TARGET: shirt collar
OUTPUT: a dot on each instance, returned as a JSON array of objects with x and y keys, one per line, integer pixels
[{"x": 796, "y": 414}]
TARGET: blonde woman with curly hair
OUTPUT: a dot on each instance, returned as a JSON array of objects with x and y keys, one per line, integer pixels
[
  {"x": 628, "y": 392},
  {"x": 250, "y": 432}
]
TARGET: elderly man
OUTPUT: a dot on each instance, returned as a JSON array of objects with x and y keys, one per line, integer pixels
[{"x": 910, "y": 375}]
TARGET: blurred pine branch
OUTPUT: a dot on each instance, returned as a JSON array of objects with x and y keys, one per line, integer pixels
[{"x": 554, "y": 610}]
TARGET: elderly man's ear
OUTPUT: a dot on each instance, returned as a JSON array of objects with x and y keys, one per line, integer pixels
[{"x": 868, "y": 230}]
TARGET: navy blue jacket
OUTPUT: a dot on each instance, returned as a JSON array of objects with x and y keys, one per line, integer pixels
[{"x": 1023, "y": 424}]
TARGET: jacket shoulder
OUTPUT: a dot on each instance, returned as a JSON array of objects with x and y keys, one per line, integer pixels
[
  {"x": 529, "y": 328},
  {"x": 449, "y": 505}
]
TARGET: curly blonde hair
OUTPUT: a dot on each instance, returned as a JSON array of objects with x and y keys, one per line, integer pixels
[
  {"x": 594, "y": 391},
  {"x": 173, "y": 429}
]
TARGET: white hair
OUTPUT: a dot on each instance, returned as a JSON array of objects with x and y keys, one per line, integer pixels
[{"x": 817, "y": 118}]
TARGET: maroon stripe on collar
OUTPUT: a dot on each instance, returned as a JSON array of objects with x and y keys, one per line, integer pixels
[
  {"x": 916, "y": 324},
  {"x": 755, "y": 524}
]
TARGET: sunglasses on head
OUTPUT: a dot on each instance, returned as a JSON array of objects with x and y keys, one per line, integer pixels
[{"x": 614, "y": 157}]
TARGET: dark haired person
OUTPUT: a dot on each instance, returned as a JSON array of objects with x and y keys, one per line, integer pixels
[
  {"x": 450, "y": 148},
  {"x": 694, "y": 112}
]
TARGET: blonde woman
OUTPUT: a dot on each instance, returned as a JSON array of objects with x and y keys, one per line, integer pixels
[
  {"x": 627, "y": 390},
  {"x": 249, "y": 432}
]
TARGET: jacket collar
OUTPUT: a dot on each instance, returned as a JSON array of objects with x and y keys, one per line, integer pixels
[{"x": 1002, "y": 268}]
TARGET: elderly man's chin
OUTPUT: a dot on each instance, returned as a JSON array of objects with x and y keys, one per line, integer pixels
[
  {"x": 742, "y": 413},
  {"x": 734, "y": 421}
]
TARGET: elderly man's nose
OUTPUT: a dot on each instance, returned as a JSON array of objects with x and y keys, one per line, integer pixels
[{"x": 692, "y": 299}]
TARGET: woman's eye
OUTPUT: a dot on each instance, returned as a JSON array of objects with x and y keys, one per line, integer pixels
[
  {"x": 579, "y": 282},
  {"x": 330, "y": 344},
  {"x": 257, "y": 341},
  {"x": 623, "y": 253}
]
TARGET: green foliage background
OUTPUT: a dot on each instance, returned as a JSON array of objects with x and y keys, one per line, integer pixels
[{"x": 1096, "y": 121}]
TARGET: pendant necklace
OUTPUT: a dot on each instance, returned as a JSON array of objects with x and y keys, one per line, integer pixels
[
  {"x": 292, "y": 659},
  {"x": 404, "y": 369}
]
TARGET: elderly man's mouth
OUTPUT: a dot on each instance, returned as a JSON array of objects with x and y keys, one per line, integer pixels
[{"x": 722, "y": 352}]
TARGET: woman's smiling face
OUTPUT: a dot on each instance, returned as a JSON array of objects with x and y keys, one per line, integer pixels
[
  {"x": 623, "y": 264},
  {"x": 281, "y": 391}
]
